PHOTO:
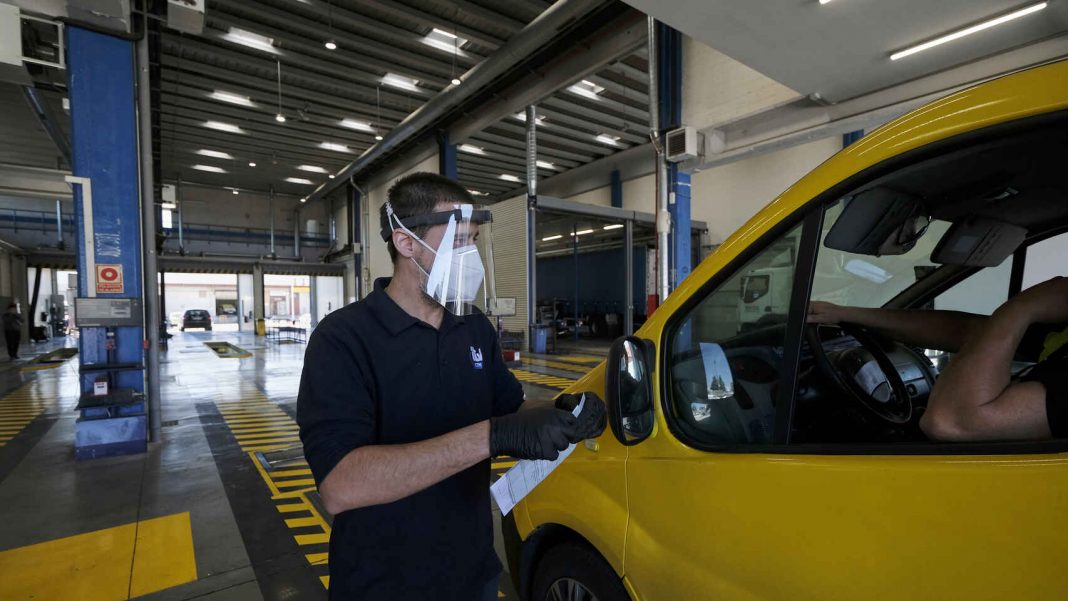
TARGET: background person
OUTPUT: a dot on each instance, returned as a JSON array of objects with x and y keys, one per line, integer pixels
[{"x": 13, "y": 330}]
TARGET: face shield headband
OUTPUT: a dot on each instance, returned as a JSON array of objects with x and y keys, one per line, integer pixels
[{"x": 458, "y": 273}]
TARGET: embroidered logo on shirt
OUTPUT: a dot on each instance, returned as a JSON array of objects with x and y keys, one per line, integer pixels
[{"x": 476, "y": 357}]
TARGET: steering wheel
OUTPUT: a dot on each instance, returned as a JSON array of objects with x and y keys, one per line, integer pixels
[{"x": 883, "y": 392}]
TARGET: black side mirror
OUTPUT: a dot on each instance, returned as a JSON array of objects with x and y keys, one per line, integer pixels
[{"x": 629, "y": 389}]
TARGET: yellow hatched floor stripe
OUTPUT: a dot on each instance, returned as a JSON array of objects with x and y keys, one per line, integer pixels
[
  {"x": 583, "y": 368},
  {"x": 21, "y": 406}
]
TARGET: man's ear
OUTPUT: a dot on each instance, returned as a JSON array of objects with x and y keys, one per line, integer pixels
[{"x": 404, "y": 244}]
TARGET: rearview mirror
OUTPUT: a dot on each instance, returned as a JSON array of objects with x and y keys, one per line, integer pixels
[{"x": 629, "y": 390}]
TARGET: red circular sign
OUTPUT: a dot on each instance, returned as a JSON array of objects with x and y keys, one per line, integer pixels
[{"x": 109, "y": 274}]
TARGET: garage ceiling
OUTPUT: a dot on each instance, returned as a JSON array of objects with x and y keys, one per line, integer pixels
[
  {"x": 841, "y": 49},
  {"x": 335, "y": 102}
]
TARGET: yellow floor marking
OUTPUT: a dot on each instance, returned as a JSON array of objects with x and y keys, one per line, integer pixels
[
  {"x": 249, "y": 423},
  {"x": 312, "y": 539},
  {"x": 503, "y": 465},
  {"x": 317, "y": 559},
  {"x": 293, "y": 507},
  {"x": 284, "y": 473},
  {"x": 164, "y": 556},
  {"x": 301, "y": 522},
  {"x": 95, "y": 566},
  {"x": 276, "y": 434},
  {"x": 263, "y": 428},
  {"x": 294, "y": 483},
  {"x": 325, "y": 580},
  {"x": 263, "y": 441},
  {"x": 581, "y": 358},
  {"x": 557, "y": 364},
  {"x": 275, "y": 447}
]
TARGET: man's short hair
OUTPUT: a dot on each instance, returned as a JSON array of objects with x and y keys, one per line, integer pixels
[{"x": 419, "y": 194}]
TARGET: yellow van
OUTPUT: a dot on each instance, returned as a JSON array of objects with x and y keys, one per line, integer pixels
[{"x": 742, "y": 462}]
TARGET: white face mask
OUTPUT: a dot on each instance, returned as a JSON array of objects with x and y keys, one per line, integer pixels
[{"x": 457, "y": 273}]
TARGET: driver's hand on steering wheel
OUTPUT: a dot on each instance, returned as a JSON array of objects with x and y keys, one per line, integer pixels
[{"x": 824, "y": 312}]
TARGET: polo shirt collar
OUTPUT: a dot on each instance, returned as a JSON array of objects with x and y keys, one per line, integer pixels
[{"x": 394, "y": 318}]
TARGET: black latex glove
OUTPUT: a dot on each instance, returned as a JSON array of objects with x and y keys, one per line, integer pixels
[
  {"x": 539, "y": 433},
  {"x": 592, "y": 420}
]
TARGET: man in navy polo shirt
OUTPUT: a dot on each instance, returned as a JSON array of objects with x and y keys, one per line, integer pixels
[{"x": 403, "y": 400}]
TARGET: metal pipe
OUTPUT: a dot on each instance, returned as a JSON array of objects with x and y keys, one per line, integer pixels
[
  {"x": 532, "y": 210},
  {"x": 628, "y": 277},
  {"x": 519, "y": 48},
  {"x": 59, "y": 224},
  {"x": 270, "y": 208},
  {"x": 148, "y": 232},
  {"x": 663, "y": 218},
  {"x": 178, "y": 202}
]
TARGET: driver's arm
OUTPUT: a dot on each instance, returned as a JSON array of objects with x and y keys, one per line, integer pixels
[
  {"x": 975, "y": 397},
  {"x": 940, "y": 330}
]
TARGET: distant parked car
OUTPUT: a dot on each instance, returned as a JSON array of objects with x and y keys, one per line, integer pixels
[{"x": 196, "y": 318}]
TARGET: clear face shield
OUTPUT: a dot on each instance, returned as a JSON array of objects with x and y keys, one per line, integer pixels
[{"x": 460, "y": 240}]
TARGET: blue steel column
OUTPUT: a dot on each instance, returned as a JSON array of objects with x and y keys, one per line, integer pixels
[
  {"x": 669, "y": 62},
  {"x": 446, "y": 156},
  {"x": 617, "y": 189},
  {"x": 101, "y": 72},
  {"x": 851, "y": 137}
]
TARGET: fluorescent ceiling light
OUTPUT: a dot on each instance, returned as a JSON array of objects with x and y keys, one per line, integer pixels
[
  {"x": 215, "y": 154},
  {"x": 330, "y": 45},
  {"x": 331, "y": 176},
  {"x": 234, "y": 190},
  {"x": 956, "y": 35},
  {"x": 312, "y": 168},
  {"x": 232, "y": 98},
  {"x": 250, "y": 39},
  {"x": 227, "y": 127},
  {"x": 551, "y": 238},
  {"x": 468, "y": 148},
  {"x": 299, "y": 180},
  {"x": 475, "y": 192},
  {"x": 169, "y": 205},
  {"x": 400, "y": 81},
  {"x": 509, "y": 178},
  {"x": 444, "y": 41},
  {"x": 334, "y": 147},
  {"x": 358, "y": 125},
  {"x": 582, "y": 232},
  {"x": 252, "y": 163},
  {"x": 209, "y": 168},
  {"x": 546, "y": 165},
  {"x": 616, "y": 226},
  {"x": 824, "y": 1},
  {"x": 607, "y": 139},
  {"x": 588, "y": 89},
  {"x": 305, "y": 199},
  {"x": 280, "y": 118}
]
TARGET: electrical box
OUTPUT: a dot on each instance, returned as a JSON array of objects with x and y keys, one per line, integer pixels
[
  {"x": 11, "y": 67},
  {"x": 682, "y": 144},
  {"x": 186, "y": 16}
]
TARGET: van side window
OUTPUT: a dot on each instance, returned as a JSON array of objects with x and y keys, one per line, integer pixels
[{"x": 726, "y": 354}]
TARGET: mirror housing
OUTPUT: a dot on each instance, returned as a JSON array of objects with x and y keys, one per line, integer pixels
[{"x": 629, "y": 389}]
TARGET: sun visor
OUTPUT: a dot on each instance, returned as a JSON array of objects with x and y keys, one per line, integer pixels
[
  {"x": 879, "y": 221},
  {"x": 978, "y": 242}
]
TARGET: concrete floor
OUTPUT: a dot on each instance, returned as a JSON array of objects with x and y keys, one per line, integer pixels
[{"x": 222, "y": 507}]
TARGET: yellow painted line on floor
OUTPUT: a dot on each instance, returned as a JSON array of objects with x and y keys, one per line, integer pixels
[
  {"x": 294, "y": 483},
  {"x": 325, "y": 580},
  {"x": 293, "y": 507},
  {"x": 312, "y": 539},
  {"x": 283, "y": 434},
  {"x": 284, "y": 473},
  {"x": 301, "y": 522},
  {"x": 503, "y": 465},
  {"x": 269, "y": 441},
  {"x": 264, "y": 427},
  {"x": 260, "y": 422},
  {"x": 317, "y": 559},
  {"x": 557, "y": 365},
  {"x": 581, "y": 358},
  {"x": 95, "y": 566},
  {"x": 276, "y": 447}
]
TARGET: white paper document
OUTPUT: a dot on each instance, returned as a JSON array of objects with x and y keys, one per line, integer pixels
[{"x": 517, "y": 482}]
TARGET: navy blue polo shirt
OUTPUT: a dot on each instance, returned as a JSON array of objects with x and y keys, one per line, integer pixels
[{"x": 375, "y": 375}]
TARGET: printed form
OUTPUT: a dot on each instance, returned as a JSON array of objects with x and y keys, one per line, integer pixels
[{"x": 517, "y": 482}]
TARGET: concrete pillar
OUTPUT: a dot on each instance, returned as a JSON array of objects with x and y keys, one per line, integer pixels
[
  {"x": 313, "y": 299},
  {"x": 245, "y": 302},
  {"x": 257, "y": 293}
]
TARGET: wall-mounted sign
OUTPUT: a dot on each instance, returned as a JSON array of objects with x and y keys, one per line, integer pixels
[{"x": 109, "y": 279}]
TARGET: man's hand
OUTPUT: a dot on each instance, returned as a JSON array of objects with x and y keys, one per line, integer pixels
[
  {"x": 592, "y": 420},
  {"x": 539, "y": 433},
  {"x": 824, "y": 312},
  {"x": 1043, "y": 303}
]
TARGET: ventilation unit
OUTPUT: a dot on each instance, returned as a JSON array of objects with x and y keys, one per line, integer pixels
[{"x": 683, "y": 144}]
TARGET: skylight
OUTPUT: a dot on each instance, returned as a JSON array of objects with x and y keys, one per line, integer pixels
[
  {"x": 299, "y": 180},
  {"x": 358, "y": 125},
  {"x": 250, "y": 39},
  {"x": 334, "y": 147},
  {"x": 587, "y": 89},
  {"x": 312, "y": 168},
  {"x": 232, "y": 98},
  {"x": 471, "y": 149},
  {"x": 227, "y": 127},
  {"x": 215, "y": 154},
  {"x": 608, "y": 139},
  {"x": 401, "y": 82},
  {"x": 209, "y": 168}
]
